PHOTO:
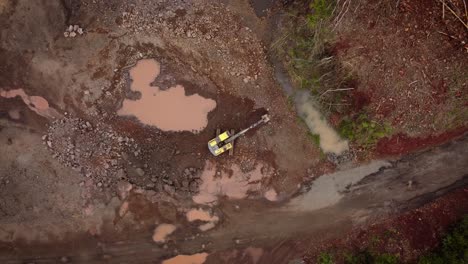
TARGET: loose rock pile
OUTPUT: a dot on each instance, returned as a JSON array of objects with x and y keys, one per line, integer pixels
[
  {"x": 201, "y": 24},
  {"x": 95, "y": 151},
  {"x": 73, "y": 31},
  {"x": 191, "y": 180},
  {"x": 340, "y": 159}
]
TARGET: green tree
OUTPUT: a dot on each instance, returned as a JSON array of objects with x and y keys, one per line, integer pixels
[{"x": 454, "y": 249}]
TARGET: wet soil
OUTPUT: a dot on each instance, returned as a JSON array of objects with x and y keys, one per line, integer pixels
[
  {"x": 407, "y": 236},
  {"x": 261, "y": 6},
  {"x": 286, "y": 233},
  {"x": 403, "y": 144},
  {"x": 52, "y": 209}
]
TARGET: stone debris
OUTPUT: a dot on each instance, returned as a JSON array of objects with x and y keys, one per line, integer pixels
[
  {"x": 169, "y": 189},
  {"x": 95, "y": 151},
  {"x": 202, "y": 23},
  {"x": 73, "y": 31},
  {"x": 140, "y": 171},
  {"x": 344, "y": 157}
]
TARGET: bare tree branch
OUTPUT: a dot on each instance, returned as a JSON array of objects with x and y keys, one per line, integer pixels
[
  {"x": 336, "y": 90},
  {"x": 455, "y": 14}
]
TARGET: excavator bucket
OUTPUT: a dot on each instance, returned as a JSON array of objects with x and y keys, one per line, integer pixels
[{"x": 265, "y": 118}]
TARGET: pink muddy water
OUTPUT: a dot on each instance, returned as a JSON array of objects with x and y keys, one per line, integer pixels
[
  {"x": 271, "y": 195},
  {"x": 255, "y": 253},
  {"x": 233, "y": 186},
  {"x": 169, "y": 110},
  {"x": 207, "y": 226},
  {"x": 36, "y": 103},
  {"x": 202, "y": 215},
  {"x": 199, "y": 258},
  {"x": 162, "y": 231}
]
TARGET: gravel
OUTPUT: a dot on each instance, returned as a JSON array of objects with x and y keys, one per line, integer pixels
[{"x": 93, "y": 150}]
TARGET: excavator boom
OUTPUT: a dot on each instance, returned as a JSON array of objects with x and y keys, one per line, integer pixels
[{"x": 264, "y": 120}]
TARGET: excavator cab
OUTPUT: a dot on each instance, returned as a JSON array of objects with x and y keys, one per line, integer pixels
[
  {"x": 218, "y": 145},
  {"x": 225, "y": 141}
]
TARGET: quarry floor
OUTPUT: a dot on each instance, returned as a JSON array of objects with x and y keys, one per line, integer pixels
[{"x": 80, "y": 183}]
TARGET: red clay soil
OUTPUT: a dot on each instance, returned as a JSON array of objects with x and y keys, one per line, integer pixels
[
  {"x": 400, "y": 143},
  {"x": 406, "y": 236},
  {"x": 408, "y": 64}
]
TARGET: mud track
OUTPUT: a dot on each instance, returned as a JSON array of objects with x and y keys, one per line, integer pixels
[{"x": 377, "y": 195}]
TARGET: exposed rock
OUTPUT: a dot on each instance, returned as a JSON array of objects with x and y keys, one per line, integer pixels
[
  {"x": 185, "y": 183},
  {"x": 124, "y": 189},
  {"x": 72, "y": 31},
  {"x": 140, "y": 171},
  {"x": 123, "y": 209},
  {"x": 88, "y": 142},
  {"x": 169, "y": 189},
  {"x": 193, "y": 187}
]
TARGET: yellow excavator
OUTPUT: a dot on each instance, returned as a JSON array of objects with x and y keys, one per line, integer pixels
[{"x": 225, "y": 141}]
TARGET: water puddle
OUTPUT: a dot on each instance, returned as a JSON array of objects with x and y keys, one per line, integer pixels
[
  {"x": 207, "y": 226},
  {"x": 235, "y": 186},
  {"x": 328, "y": 189},
  {"x": 271, "y": 195},
  {"x": 201, "y": 215},
  {"x": 169, "y": 110},
  {"x": 36, "y": 103},
  {"x": 330, "y": 141},
  {"x": 254, "y": 253},
  {"x": 199, "y": 258},
  {"x": 162, "y": 231}
]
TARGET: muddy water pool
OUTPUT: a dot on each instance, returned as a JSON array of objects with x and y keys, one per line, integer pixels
[
  {"x": 37, "y": 104},
  {"x": 169, "y": 110}
]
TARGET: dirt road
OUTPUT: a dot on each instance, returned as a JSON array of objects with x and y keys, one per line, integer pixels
[{"x": 377, "y": 192}]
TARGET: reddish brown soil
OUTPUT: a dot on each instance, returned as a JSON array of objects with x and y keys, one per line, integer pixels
[
  {"x": 409, "y": 64},
  {"x": 407, "y": 236},
  {"x": 402, "y": 144}
]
